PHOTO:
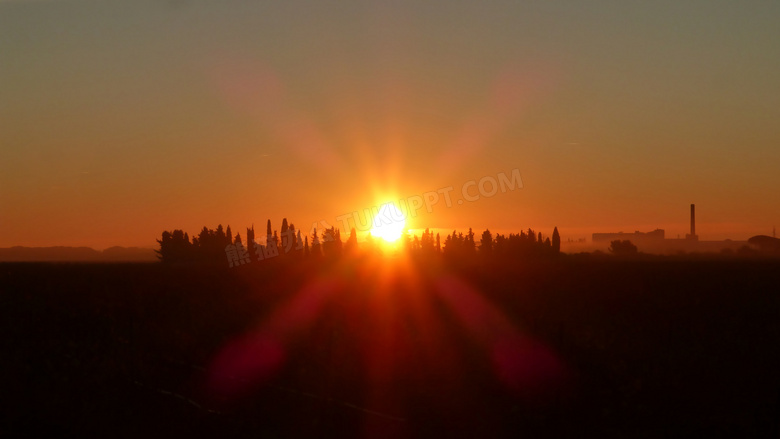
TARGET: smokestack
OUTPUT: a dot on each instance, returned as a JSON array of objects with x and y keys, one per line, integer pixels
[{"x": 693, "y": 221}]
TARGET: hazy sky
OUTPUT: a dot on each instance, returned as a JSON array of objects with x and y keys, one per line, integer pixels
[{"x": 121, "y": 119}]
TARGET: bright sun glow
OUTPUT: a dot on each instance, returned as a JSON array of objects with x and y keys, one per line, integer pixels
[{"x": 389, "y": 223}]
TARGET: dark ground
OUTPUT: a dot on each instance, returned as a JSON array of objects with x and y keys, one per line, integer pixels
[{"x": 594, "y": 346}]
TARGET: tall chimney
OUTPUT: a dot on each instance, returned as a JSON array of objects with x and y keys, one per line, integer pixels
[{"x": 693, "y": 221}]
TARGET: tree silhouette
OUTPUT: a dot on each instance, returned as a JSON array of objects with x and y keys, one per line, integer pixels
[
  {"x": 331, "y": 245},
  {"x": 284, "y": 232},
  {"x": 470, "y": 246},
  {"x": 622, "y": 248},
  {"x": 221, "y": 238},
  {"x": 316, "y": 251},
  {"x": 174, "y": 247},
  {"x": 351, "y": 245},
  {"x": 269, "y": 234},
  {"x": 486, "y": 243},
  {"x": 455, "y": 245},
  {"x": 250, "y": 242},
  {"x": 556, "y": 241},
  {"x": 427, "y": 242},
  {"x": 406, "y": 241},
  {"x": 289, "y": 239}
]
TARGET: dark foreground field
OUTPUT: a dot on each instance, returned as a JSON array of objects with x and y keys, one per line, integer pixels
[{"x": 390, "y": 348}]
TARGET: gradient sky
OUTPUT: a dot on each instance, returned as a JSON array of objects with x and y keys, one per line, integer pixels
[{"x": 121, "y": 119}]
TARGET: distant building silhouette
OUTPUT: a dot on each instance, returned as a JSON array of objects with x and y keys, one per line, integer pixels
[
  {"x": 765, "y": 243},
  {"x": 655, "y": 242},
  {"x": 637, "y": 237},
  {"x": 692, "y": 236}
]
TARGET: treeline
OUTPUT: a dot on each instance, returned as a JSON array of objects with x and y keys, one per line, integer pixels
[
  {"x": 524, "y": 244},
  {"x": 220, "y": 246}
]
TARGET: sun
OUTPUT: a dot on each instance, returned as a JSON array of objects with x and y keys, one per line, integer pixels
[{"x": 389, "y": 223}]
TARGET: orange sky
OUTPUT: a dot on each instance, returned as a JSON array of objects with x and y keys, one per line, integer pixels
[{"x": 119, "y": 121}]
